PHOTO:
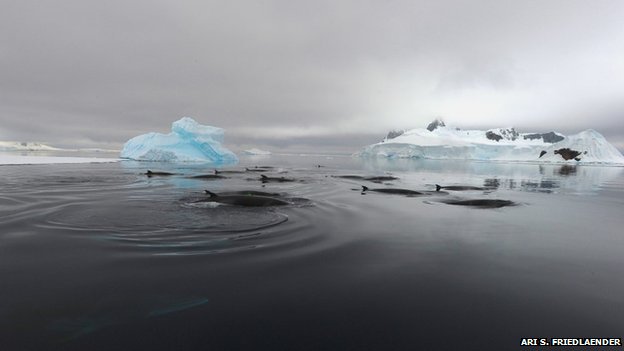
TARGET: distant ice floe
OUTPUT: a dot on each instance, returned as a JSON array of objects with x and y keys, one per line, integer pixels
[
  {"x": 254, "y": 151},
  {"x": 188, "y": 141},
  {"x": 36, "y": 160},
  {"x": 501, "y": 144},
  {"x": 25, "y": 146}
]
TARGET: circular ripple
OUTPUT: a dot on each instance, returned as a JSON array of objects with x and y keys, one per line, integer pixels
[{"x": 172, "y": 228}]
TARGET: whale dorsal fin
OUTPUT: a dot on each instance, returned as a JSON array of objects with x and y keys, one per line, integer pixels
[
  {"x": 263, "y": 176},
  {"x": 364, "y": 188},
  {"x": 217, "y": 171},
  {"x": 438, "y": 187},
  {"x": 149, "y": 172},
  {"x": 211, "y": 193}
]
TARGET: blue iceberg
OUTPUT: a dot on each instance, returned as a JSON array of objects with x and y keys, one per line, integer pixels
[{"x": 188, "y": 141}]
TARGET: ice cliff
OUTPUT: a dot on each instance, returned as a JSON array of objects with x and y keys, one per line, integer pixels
[
  {"x": 188, "y": 141},
  {"x": 438, "y": 141},
  {"x": 24, "y": 146}
]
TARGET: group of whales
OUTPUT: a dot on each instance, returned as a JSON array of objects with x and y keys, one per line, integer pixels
[
  {"x": 253, "y": 198},
  {"x": 218, "y": 175}
]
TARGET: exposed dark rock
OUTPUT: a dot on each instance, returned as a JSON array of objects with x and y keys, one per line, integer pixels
[
  {"x": 550, "y": 137},
  {"x": 492, "y": 136},
  {"x": 498, "y": 134},
  {"x": 394, "y": 133},
  {"x": 511, "y": 133},
  {"x": 568, "y": 154},
  {"x": 542, "y": 153},
  {"x": 435, "y": 124}
]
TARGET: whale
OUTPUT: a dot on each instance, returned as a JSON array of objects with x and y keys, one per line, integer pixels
[
  {"x": 380, "y": 179},
  {"x": 151, "y": 174},
  {"x": 250, "y": 193},
  {"x": 459, "y": 187},
  {"x": 481, "y": 203},
  {"x": 265, "y": 179},
  {"x": 377, "y": 179},
  {"x": 217, "y": 171},
  {"x": 209, "y": 176},
  {"x": 405, "y": 192},
  {"x": 259, "y": 169},
  {"x": 246, "y": 200}
]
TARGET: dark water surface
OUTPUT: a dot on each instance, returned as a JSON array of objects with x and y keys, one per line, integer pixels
[{"x": 101, "y": 257}]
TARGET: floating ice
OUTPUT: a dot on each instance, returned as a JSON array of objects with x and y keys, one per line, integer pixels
[
  {"x": 254, "y": 151},
  {"x": 188, "y": 141},
  {"x": 36, "y": 160},
  {"x": 25, "y": 146},
  {"x": 500, "y": 144}
]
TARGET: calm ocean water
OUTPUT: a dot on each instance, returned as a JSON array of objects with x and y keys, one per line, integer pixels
[{"x": 101, "y": 257}]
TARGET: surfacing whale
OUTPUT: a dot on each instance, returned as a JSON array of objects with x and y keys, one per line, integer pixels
[
  {"x": 250, "y": 193},
  {"x": 266, "y": 179},
  {"x": 377, "y": 179},
  {"x": 246, "y": 200},
  {"x": 459, "y": 187},
  {"x": 227, "y": 171},
  {"x": 209, "y": 176},
  {"x": 259, "y": 169},
  {"x": 152, "y": 174},
  {"x": 405, "y": 192},
  {"x": 481, "y": 203}
]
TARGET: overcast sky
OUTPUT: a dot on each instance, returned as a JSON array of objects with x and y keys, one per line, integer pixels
[{"x": 301, "y": 73}]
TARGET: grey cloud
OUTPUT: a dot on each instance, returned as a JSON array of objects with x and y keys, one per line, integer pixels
[{"x": 102, "y": 72}]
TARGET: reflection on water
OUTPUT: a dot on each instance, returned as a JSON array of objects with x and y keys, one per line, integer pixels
[{"x": 566, "y": 170}]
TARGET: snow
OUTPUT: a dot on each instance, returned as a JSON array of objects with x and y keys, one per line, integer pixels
[
  {"x": 188, "y": 141},
  {"x": 34, "y": 160},
  {"x": 254, "y": 151},
  {"x": 24, "y": 146},
  {"x": 503, "y": 144}
]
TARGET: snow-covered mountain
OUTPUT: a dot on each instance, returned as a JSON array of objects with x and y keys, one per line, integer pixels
[
  {"x": 24, "y": 146},
  {"x": 438, "y": 141}
]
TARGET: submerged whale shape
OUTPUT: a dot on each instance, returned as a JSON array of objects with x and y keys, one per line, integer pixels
[
  {"x": 266, "y": 179},
  {"x": 405, "y": 192},
  {"x": 459, "y": 187},
  {"x": 246, "y": 200},
  {"x": 111, "y": 311},
  {"x": 151, "y": 174},
  {"x": 481, "y": 203}
]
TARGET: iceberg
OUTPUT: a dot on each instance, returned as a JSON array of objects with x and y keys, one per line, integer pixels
[
  {"x": 188, "y": 141},
  {"x": 438, "y": 141}
]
